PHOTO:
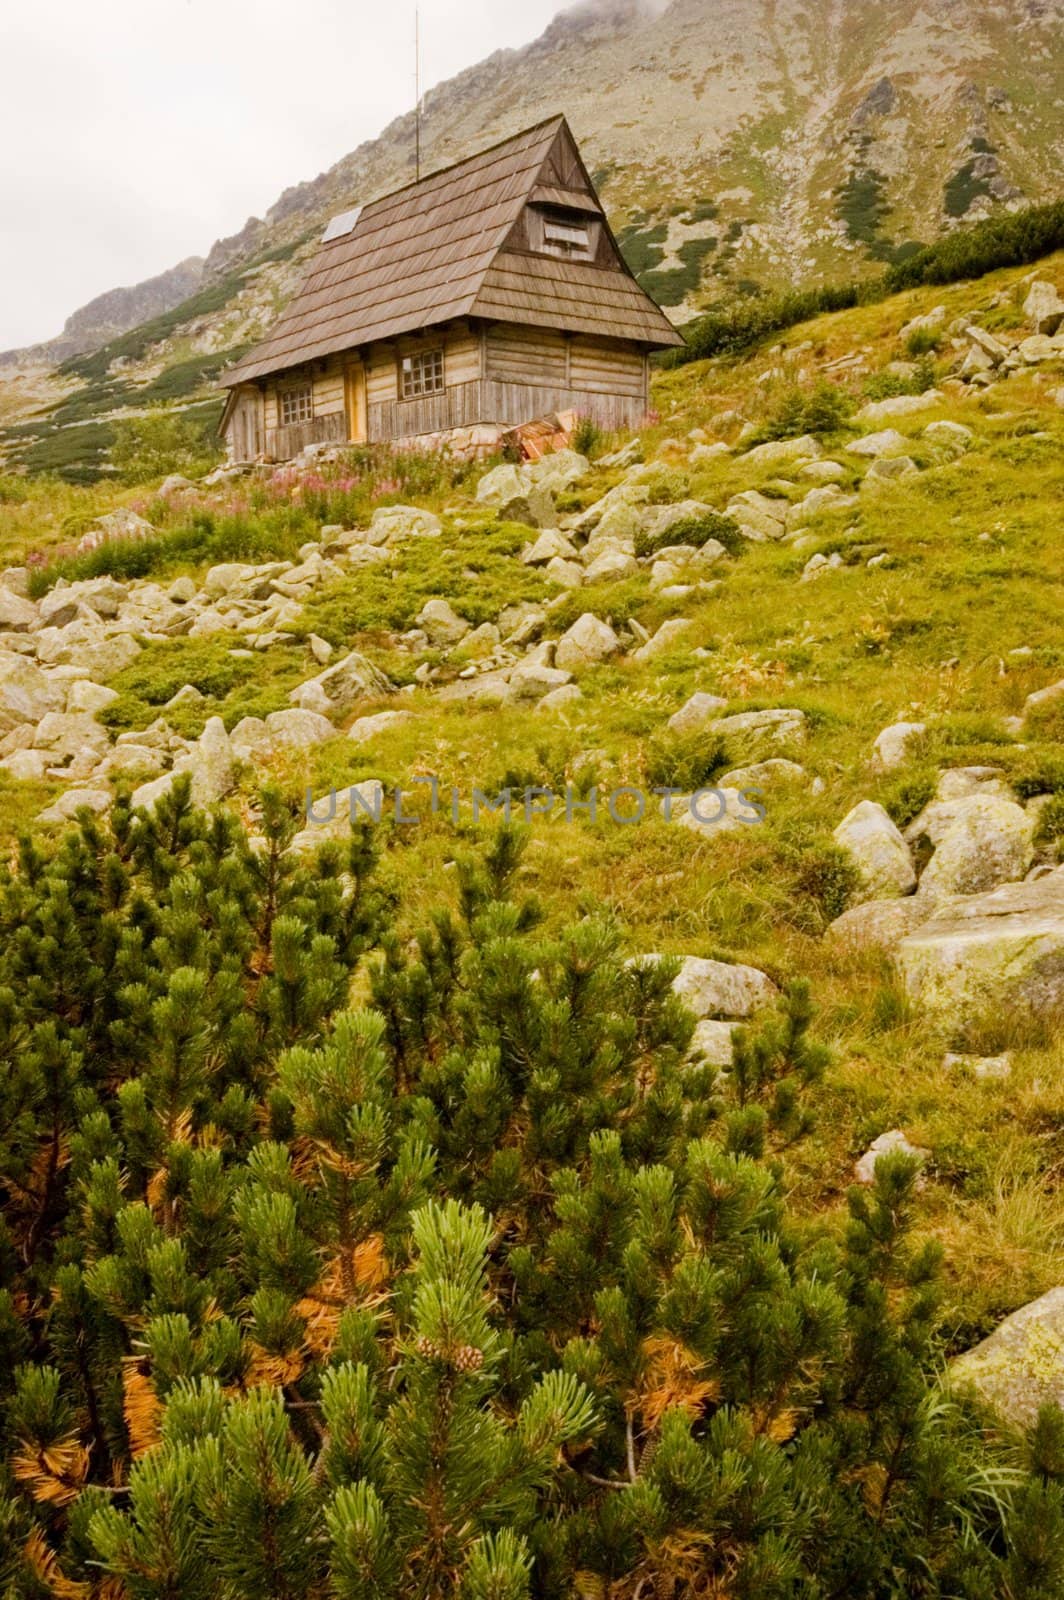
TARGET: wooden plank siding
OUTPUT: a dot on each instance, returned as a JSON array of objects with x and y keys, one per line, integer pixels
[
  {"x": 500, "y": 374},
  {"x": 490, "y": 401}
]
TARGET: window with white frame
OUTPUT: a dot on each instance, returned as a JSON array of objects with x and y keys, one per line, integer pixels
[
  {"x": 422, "y": 374},
  {"x": 568, "y": 237},
  {"x": 297, "y": 404}
]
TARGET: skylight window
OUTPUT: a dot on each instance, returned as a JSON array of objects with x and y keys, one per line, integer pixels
[{"x": 341, "y": 225}]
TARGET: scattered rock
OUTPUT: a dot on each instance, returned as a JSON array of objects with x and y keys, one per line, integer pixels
[
  {"x": 533, "y": 681},
  {"x": 667, "y": 638},
  {"x": 441, "y": 624},
  {"x": 299, "y": 730},
  {"x": 889, "y": 442},
  {"x": 879, "y": 924},
  {"x": 990, "y": 954},
  {"x": 561, "y": 699},
  {"x": 700, "y": 712},
  {"x": 889, "y": 469},
  {"x": 989, "y": 841},
  {"x": 588, "y": 641},
  {"x": 878, "y": 851},
  {"x": 367, "y": 728},
  {"x": 888, "y": 1144},
  {"x": 16, "y": 614},
  {"x": 1020, "y": 1367},
  {"x": 1044, "y": 308},
  {"x": 551, "y": 542},
  {"x": 719, "y": 989},
  {"x": 715, "y": 1043},
  {"x": 902, "y": 405},
  {"x": 341, "y": 687},
  {"x": 393, "y": 524},
  {"x": 891, "y": 749},
  {"x": 806, "y": 449},
  {"x": 749, "y": 734},
  {"x": 611, "y": 566},
  {"x": 25, "y": 693},
  {"x": 982, "y": 1067}
]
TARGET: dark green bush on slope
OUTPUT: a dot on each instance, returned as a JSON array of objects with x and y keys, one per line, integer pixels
[
  {"x": 477, "y": 1294},
  {"x": 1009, "y": 240}
]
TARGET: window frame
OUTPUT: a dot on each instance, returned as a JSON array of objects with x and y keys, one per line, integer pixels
[
  {"x": 423, "y": 373},
  {"x": 576, "y": 236},
  {"x": 295, "y": 403}
]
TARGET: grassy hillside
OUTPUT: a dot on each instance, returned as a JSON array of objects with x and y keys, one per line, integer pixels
[{"x": 944, "y": 609}]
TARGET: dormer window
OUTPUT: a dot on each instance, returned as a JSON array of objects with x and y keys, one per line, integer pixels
[
  {"x": 570, "y": 235},
  {"x": 568, "y": 238}
]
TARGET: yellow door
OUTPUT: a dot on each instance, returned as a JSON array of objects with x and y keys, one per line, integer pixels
[{"x": 355, "y": 394}]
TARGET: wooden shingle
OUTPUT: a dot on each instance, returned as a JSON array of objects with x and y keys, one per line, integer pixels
[{"x": 437, "y": 250}]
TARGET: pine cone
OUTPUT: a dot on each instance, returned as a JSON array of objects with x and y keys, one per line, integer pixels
[
  {"x": 467, "y": 1359},
  {"x": 428, "y": 1348}
]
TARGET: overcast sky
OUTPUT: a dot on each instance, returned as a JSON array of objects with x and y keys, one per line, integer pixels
[{"x": 133, "y": 133}]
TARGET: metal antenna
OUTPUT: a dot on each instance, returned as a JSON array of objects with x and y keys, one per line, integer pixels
[{"x": 417, "y": 91}]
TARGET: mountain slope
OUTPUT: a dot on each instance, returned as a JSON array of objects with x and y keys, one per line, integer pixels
[{"x": 737, "y": 143}]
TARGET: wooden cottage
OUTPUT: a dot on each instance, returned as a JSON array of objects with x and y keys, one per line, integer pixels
[{"x": 492, "y": 292}]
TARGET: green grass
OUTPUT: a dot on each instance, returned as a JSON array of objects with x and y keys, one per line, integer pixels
[{"x": 974, "y": 572}]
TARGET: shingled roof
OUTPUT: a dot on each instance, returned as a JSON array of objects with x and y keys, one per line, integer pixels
[{"x": 434, "y": 251}]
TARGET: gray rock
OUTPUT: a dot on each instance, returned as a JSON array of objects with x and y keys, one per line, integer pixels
[
  {"x": 532, "y": 681},
  {"x": 806, "y": 448},
  {"x": 26, "y": 764},
  {"x": 888, "y": 442},
  {"x": 989, "y": 842},
  {"x": 720, "y": 989},
  {"x": 700, "y": 713},
  {"x": 668, "y": 638},
  {"x": 985, "y": 1068},
  {"x": 68, "y": 735},
  {"x": 551, "y": 542},
  {"x": 561, "y": 699},
  {"x": 16, "y": 614},
  {"x": 25, "y": 693},
  {"x": 1020, "y": 1367},
  {"x": 503, "y": 485},
  {"x": 879, "y": 924},
  {"x": 332, "y": 815},
  {"x": 251, "y": 739},
  {"x": 69, "y": 804},
  {"x": 760, "y": 518},
  {"x": 566, "y": 574},
  {"x": 559, "y": 470},
  {"x": 888, "y": 1144},
  {"x": 611, "y": 566},
  {"x": 750, "y": 735},
  {"x": 1044, "y": 308},
  {"x": 902, "y": 405},
  {"x": 339, "y": 688},
  {"x": 105, "y": 659},
  {"x": 1044, "y": 697},
  {"x": 441, "y": 624},
  {"x": 299, "y": 730},
  {"x": 121, "y": 524},
  {"x": 187, "y": 695},
  {"x": 951, "y": 438},
  {"x": 587, "y": 642},
  {"x": 393, "y": 524},
  {"x": 878, "y": 851},
  {"x": 212, "y": 764},
  {"x": 990, "y": 954},
  {"x": 715, "y": 1043},
  {"x": 368, "y": 728},
  {"x": 889, "y": 469},
  {"x": 891, "y": 749},
  {"x": 765, "y": 774}
]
